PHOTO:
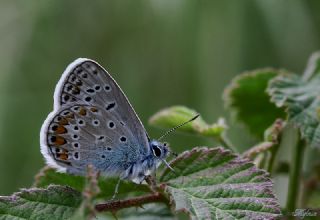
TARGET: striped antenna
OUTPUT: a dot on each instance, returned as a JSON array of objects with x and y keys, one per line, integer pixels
[{"x": 178, "y": 126}]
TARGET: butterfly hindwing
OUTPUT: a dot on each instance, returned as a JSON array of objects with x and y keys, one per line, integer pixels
[{"x": 80, "y": 135}]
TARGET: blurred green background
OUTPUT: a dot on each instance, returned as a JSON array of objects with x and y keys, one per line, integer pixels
[{"x": 161, "y": 52}]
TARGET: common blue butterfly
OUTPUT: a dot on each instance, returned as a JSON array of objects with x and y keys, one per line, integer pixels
[{"x": 93, "y": 123}]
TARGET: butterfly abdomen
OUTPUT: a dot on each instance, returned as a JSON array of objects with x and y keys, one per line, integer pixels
[{"x": 138, "y": 170}]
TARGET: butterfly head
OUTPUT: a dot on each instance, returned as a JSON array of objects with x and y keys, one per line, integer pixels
[{"x": 159, "y": 150}]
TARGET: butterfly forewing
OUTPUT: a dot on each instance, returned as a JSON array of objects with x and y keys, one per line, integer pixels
[
  {"x": 86, "y": 82},
  {"x": 92, "y": 123}
]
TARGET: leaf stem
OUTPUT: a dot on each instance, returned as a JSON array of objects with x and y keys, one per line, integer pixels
[
  {"x": 274, "y": 152},
  {"x": 274, "y": 134},
  {"x": 114, "y": 206},
  {"x": 294, "y": 175},
  {"x": 261, "y": 147}
]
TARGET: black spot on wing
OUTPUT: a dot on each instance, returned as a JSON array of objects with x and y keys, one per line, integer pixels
[{"x": 110, "y": 106}]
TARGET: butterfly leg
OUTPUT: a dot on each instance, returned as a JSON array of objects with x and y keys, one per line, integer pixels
[
  {"x": 151, "y": 182},
  {"x": 116, "y": 190},
  {"x": 154, "y": 171}
]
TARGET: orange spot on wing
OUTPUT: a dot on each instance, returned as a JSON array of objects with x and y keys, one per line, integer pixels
[
  {"x": 94, "y": 109},
  {"x": 63, "y": 121},
  {"x": 59, "y": 141},
  {"x": 82, "y": 111},
  {"x": 71, "y": 115},
  {"x": 76, "y": 90},
  {"x": 61, "y": 130},
  {"x": 63, "y": 155}
]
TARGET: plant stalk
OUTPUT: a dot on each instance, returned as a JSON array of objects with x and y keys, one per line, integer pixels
[
  {"x": 274, "y": 152},
  {"x": 274, "y": 134},
  {"x": 115, "y": 205},
  {"x": 257, "y": 149},
  {"x": 294, "y": 175}
]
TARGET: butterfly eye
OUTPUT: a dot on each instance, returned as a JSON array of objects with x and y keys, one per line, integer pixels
[{"x": 156, "y": 151}]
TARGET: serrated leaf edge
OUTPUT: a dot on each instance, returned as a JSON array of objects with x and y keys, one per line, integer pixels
[{"x": 199, "y": 149}]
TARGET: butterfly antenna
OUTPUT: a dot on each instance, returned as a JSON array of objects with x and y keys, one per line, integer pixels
[
  {"x": 173, "y": 153},
  {"x": 178, "y": 126}
]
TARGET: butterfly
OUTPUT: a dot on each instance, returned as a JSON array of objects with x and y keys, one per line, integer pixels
[{"x": 93, "y": 123}]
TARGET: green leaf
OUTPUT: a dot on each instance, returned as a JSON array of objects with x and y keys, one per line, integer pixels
[
  {"x": 217, "y": 184},
  {"x": 249, "y": 103},
  {"x": 55, "y": 202},
  {"x": 107, "y": 186},
  {"x": 48, "y": 176},
  {"x": 300, "y": 96},
  {"x": 176, "y": 115}
]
